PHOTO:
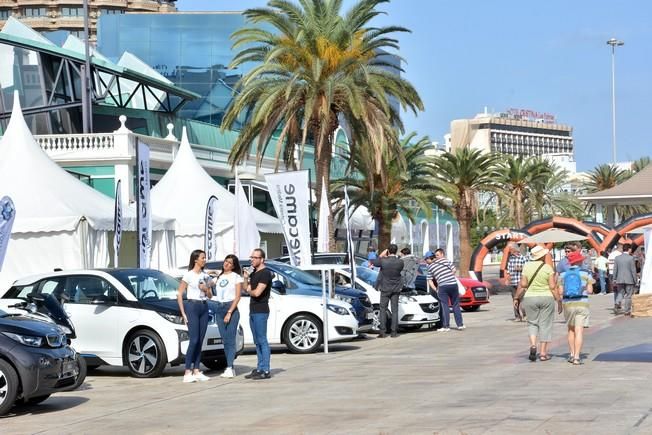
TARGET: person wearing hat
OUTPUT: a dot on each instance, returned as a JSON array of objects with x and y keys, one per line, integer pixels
[
  {"x": 537, "y": 289},
  {"x": 573, "y": 290}
]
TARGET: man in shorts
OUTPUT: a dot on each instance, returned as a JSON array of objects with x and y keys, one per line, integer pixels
[{"x": 575, "y": 307}]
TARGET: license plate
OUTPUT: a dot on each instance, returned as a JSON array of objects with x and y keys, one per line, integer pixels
[
  {"x": 212, "y": 341},
  {"x": 480, "y": 294},
  {"x": 370, "y": 316}
]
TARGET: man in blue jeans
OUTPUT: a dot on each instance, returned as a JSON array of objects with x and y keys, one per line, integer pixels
[{"x": 259, "y": 287}]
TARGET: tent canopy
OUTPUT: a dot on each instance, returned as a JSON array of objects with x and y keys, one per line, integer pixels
[
  {"x": 184, "y": 190},
  {"x": 553, "y": 235}
]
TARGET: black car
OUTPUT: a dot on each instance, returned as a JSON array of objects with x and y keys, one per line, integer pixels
[
  {"x": 35, "y": 360},
  {"x": 292, "y": 280}
]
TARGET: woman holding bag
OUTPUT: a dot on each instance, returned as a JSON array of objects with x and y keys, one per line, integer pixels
[{"x": 538, "y": 283}]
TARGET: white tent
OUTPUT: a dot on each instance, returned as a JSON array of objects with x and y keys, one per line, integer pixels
[
  {"x": 60, "y": 221},
  {"x": 183, "y": 192}
]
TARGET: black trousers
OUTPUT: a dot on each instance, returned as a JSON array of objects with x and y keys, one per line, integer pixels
[{"x": 385, "y": 298}]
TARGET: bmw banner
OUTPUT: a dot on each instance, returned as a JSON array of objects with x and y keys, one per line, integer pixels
[
  {"x": 209, "y": 242},
  {"x": 144, "y": 214},
  {"x": 117, "y": 223},
  {"x": 291, "y": 198},
  {"x": 7, "y": 216}
]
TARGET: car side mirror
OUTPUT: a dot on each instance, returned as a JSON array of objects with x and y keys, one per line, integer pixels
[{"x": 278, "y": 286}]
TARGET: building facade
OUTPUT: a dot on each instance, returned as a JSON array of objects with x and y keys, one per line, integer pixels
[
  {"x": 68, "y": 15},
  {"x": 517, "y": 131}
]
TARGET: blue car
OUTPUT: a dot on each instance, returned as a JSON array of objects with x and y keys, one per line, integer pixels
[{"x": 291, "y": 280}]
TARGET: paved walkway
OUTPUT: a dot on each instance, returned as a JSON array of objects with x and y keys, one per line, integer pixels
[{"x": 476, "y": 381}]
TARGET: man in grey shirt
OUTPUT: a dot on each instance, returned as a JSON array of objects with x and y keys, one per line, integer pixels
[
  {"x": 625, "y": 278},
  {"x": 390, "y": 286}
]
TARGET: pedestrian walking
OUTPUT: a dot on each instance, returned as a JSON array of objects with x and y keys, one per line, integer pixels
[
  {"x": 515, "y": 265},
  {"x": 625, "y": 278},
  {"x": 196, "y": 284},
  {"x": 602, "y": 269},
  {"x": 615, "y": 252},
  {"x": 259, "y": 288},
  {"x": 390, "y": 286},
  {"x": 573, "y": 289},
  {"x": 228, "y": 287},
  {"x": 442, "y": 281},
  {"x": 537, "y": 288}
]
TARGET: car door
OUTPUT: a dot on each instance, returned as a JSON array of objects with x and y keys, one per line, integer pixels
[{"x": 94, "y": 311}]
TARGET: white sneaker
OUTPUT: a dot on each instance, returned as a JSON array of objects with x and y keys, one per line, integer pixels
[
  {"x": 201, "y": 377},
  {"x": 229, "y": 372},
  {"x": 461, "y": 328},
  {"x": 189, "y": 378},
  {"x": 443, "y": 329}
]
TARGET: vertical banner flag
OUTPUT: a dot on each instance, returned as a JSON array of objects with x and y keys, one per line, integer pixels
[
  {"x": 117, "y": 223},
  {"x": 290, "y": 195},
  {"x": 324, "y": 213},
  {"x": 7, "y": 216},
  {"x": 247, "y": 237},
  {"x": 349, "y": 239},
  {"x": 646, "y": 271},
  {"x": 144, "y": 207},
  {"x": 209, "y": 241}
]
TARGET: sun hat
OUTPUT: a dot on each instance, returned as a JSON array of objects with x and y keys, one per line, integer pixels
[
  {"x": 575, "y": 257},
  {"x": 538, "y": 252},
  {"x": 428, "y": 254}
]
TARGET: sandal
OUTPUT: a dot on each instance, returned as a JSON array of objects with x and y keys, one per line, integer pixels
[
  {"x": 533, "y": 353},
  {"x": 545, "y": 357},
  {"x": 571, "y": 358},
  {"x": 577, "y": 362}
]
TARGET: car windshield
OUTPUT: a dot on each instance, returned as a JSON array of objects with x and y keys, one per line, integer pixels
[
  {"x": 295, "y": 274},
  {"x": 147, "y": 284},
  {"x": 367, "y": 275}
]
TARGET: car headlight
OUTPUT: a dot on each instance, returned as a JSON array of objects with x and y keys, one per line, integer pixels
[
  {"x": 27, "y": 340},
  {"x": 338, "y": 310},
  {"x": 346, "y": 299},
  {"x": 172, "y": 318},
  {"x": 402, "y": 299}
]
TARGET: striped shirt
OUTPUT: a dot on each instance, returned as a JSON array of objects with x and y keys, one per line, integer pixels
[{"x": 442, "y": 271}]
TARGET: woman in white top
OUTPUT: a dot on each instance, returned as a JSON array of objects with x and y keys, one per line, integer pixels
[
  {"x": 197, "y": 286},
  {"x": 228, "y": 286}
]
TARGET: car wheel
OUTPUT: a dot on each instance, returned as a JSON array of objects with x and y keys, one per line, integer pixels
[
  {"x": 8, "y": 386},
  {"x": 303, "y": 334},
  {"x": 215, "y": 364},
  {"x": 472, "y": 308},
  {"x": 145, "y": 354},
  {"x": 375, "y": 323}
]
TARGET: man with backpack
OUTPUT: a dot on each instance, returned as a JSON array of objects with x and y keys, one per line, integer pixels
[{"x": 574, "y": 287}]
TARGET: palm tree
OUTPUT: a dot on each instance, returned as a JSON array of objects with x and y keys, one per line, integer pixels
[
  {"x": 518, "y": 178},
  {"x": 462, "y": 174},
  {"x": 551, "y": 195},
  {"x": 315, "y": 68},
  {"x": 639, "y": 164},
  {"x": 407, "y": 180},
  {"x": 605, "y": 177}
]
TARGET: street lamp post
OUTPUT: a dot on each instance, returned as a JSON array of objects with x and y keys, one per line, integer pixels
[{"x": 614, "y": 43}]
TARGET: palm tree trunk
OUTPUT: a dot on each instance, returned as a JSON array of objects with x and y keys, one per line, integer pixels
[
  {"x": 463, "y": 217},
  {"x": 385, "y": 235},
  {"x": 520, "y": 220},
  {"x": 323, "y": 157}
]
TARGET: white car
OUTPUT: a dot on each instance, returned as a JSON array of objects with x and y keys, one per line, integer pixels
[
  {"x": 124, "y": 317},
  {"x": 297, "y": 321},
  {"x": 414, "y": 310}
]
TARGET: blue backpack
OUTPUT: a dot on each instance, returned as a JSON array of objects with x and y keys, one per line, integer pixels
[{"x": 573, "y": 284}]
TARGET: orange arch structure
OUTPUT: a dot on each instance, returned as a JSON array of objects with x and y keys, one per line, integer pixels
[{"x": 625, "y": 227}]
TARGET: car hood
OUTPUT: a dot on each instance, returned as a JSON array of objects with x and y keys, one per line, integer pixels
[{"x": 27, "y": 325}]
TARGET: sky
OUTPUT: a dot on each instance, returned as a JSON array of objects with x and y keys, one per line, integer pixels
[{"x": 548, "y": 56}]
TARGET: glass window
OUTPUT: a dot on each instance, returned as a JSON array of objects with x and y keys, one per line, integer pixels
[
  {"x": 86, "y": 289},
  {"x": 72, "y": 11},
  {"x": 34, "y": 12},
  {"x": 5, "y": 13},
  {"x": 108, "y": 11},
  {"x": 20, "y": 292},
  {"x": 147, "y": 284}
]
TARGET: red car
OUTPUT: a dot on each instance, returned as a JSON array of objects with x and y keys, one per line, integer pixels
[{"x": 477, "y": 292}]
